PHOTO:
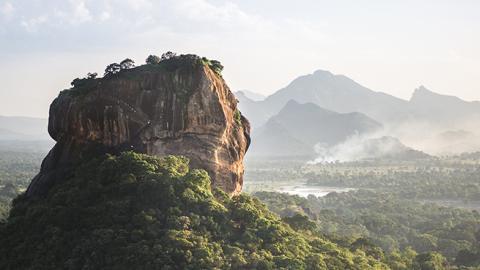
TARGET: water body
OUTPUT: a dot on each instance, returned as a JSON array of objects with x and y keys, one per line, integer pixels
[{"x": 317, "y": 191}]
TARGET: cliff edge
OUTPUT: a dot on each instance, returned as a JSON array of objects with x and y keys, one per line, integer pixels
[{"x": 178, "y": 106}]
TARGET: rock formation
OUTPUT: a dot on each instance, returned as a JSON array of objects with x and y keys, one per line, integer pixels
[{"x": 180, "y": 106}]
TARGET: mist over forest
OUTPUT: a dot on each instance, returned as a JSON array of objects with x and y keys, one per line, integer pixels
[{"x": 359, "y": 121}]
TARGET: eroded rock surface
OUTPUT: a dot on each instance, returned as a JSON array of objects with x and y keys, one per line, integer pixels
[{"x": 181, "y": 110}]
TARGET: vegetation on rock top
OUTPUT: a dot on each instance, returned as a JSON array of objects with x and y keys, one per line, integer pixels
[{"x": 169, "y": 61}]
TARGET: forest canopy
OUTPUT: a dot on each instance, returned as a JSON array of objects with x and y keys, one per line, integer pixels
[{"x": 135, "y": 211}]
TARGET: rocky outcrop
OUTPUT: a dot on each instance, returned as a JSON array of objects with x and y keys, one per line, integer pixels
[{"x": 180, "y": 107}]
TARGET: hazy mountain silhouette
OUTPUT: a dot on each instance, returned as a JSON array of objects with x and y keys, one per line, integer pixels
[
  {"x": 297, "y": 128},
  {"x": 332, "y": 92},
  {"x": 23, "y": 128},
  {"x": 342, "y": 94},
  {"x": 6, "y": 134},
  {"x": 442, "y": 109},
  {"x": 251, "y": 95},
  {"x": 255, "y": 111}
]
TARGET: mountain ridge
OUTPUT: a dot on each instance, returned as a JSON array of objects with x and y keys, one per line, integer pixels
[
  {"x": 413, "y": 121},
  {"x": 302, "y": 126},
  {"x": 27, "y": 128},
  {"x": 341, "y": 94}
]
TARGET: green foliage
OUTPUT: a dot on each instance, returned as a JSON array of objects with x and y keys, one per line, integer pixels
[
  {"x": 135, "y": 211},
  {"x": 300, "y": 222},
  {"x": 16, "y": 171},
  {"x": 112, "y": 69},
  {"x": 442, "y": 179},
  {"x": 127, "y": 64},
  {"x": 167, "y": 55},
  {"x": 388, "y": 222},
  {"x": 152, "y": 60},
  {"x": 430, "y": 261},
  {"x": 215, "y": 65},
  {"x": 238, "y": 117},
  {"x": 168, "y": 62},
  {"x": 84, "y": 82},
  {"x": 92, "y": 75}
]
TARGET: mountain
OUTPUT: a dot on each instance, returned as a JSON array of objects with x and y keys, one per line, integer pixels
[
  {"x": 23, "y": 128},
  {"x": 134, "y": 211},
  {"x": 180, "y": 106},
  {"x": 251, "y": 95},
  {"x": 95, "y": 205},
  {"x": 273, "y": 139},
  {"x": 333, "y": 92},
  {"x": 256, "y": 113},
  {"x": 413, "y": 121},
  {"x": 341, "y": 94},
  {"x": 438, "y": 109},
  {"x": 297, "y": 128}
]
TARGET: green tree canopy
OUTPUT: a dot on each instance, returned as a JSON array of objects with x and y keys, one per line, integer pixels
[
  {"x": 152, "y": 60},
  {"x": 135, "y": 211}
]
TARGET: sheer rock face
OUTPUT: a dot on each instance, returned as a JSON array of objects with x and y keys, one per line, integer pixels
[{"x": 187, "y": 111}]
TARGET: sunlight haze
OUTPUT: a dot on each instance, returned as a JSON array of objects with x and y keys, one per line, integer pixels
[{"x": 264, "y": 45}]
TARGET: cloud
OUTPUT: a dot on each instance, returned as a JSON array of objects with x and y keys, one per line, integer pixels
[
  {"x": 186, "y": 15},
  {"x": 107, "y": 23},
  {"x": 74, "y": 13},
  {"x": 105, "y": 15},
  {"x": 224, "y": 15},
  {"x": 7, "y": 10},
  {"x": 32, "y": 24},
  {"x": 139, "y": 4},
  {"x": 80, "y": 12}
]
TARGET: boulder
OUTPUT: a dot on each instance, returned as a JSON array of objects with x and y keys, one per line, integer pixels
[{"x": 178, "y": 107}]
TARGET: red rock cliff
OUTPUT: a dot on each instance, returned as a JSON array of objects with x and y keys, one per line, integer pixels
[{"x": 178, "y": 108}]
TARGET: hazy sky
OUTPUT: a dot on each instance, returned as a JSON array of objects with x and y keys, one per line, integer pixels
[{"x": 390, "y": 46}]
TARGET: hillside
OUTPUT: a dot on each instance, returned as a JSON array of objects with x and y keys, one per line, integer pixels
[
  {"x": 134, "y": 211},
  {"x": 95, "y": 205},
  {"x": 297, "y": 128}
]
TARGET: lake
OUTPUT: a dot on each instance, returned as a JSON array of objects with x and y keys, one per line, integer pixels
[{"x": 318, "y": 191}]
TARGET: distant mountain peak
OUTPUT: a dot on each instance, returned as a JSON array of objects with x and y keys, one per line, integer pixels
[
  {"x": 423, "y": 88},
  {"x": 303, "y": 125},
  {"x": 307, "y": 108},
  {"x": 292, "y": 103},
  {"x": 325, "y": 73},
  {"x": 422, "y": 91},
  {"x": 250, "y": 95}
]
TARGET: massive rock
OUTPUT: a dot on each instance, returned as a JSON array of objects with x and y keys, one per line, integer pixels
[{"x": 180, "y": 106}]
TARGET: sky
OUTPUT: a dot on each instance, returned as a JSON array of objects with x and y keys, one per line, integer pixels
[{"x": 385, "y": 45}]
